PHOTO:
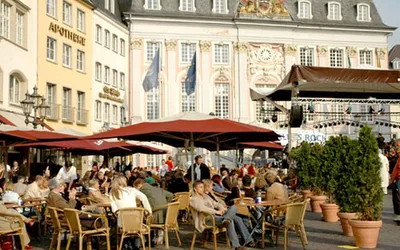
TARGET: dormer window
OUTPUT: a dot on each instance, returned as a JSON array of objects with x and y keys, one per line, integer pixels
[
  {"x": 152, "y": 5},
  {"x": 396, "y": 63},
  {"x": 187, "y": 5},
  {"x": 304, "y": 9},
  {"x": 334, "y": 11},
  {"x": 363, "y": 13},
  {"x": 220, "y": 7}
]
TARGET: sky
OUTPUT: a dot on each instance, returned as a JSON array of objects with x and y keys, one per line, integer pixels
[{"x": 389, "y": 11}]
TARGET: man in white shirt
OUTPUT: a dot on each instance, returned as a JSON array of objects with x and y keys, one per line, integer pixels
[
  {"x": 67, "y": 174},
  {"x": 33, "y": 189},
  {"x": 163, "y": 169}
]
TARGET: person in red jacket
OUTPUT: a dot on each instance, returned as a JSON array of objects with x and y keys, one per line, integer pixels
[{"x": 170, "y": 163}]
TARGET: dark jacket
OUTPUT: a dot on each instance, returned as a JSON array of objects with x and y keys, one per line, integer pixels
[
  {"x": 204, "y": 172},
  {"x": 157, "y": 198}
]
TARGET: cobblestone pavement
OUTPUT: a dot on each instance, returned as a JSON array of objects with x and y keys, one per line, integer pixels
[{"x": 321, "y": 235}]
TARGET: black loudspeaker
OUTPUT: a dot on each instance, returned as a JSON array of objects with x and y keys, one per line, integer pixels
[{"x": 296, "y": 116}]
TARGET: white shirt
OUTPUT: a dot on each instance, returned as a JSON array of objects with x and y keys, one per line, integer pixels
[
  {"x": 197, "y": 171},
  {"x": 128, "y": 200},
  {"x": 65, "y": 176},
  {"x": 10, "y": 196},
  {"x": 33, "y": 191},
  {"x": 384, "y": 170},
  {"x": 163, "y": 170},
  {"x": 104, "y": 170}
]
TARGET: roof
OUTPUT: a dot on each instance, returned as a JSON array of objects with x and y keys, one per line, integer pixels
[
  {"x": 394, "y": 53},
  {"x": 321, "y": 82},
  {"x": 117, "y": 16},
  {"x": 170, "y": 8}
]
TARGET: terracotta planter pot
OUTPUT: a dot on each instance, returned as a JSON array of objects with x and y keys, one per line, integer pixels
[
  {"x": 329, "y": 212},
  {"x": 344, "y": 220},
  {"x": 366, "y": 233},
  {"x": 306, "y": 194},
  {"x": 316, "y": 202}
]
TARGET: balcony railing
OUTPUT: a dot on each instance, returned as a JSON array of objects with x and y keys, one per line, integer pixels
[
  {"x": 82, "y": 116},
  {"x": 53, "y": 112},
  {"x": 68, "y": 114}
]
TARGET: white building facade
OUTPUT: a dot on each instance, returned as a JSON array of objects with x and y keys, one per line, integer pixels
[
  {"x": 18, "y": 60},
  {"x": 110, "y": 66},
  {"x": 239, "y": 46}
]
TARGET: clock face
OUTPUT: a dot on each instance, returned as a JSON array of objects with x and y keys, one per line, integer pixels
[{"x": 265, "y": 54}]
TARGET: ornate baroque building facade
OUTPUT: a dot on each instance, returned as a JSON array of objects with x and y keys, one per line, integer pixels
[{"x": 243, "y": 45}]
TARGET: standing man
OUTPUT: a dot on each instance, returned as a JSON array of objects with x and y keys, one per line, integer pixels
[
  {"x": 23, "y": 170},
  {"x": 384, "y": 171},
  {"x": 67, "y": 174},
  {"x": 170, "y": 163},
  {"x": 163, "y": 169},
  {"x": 201, "y": 171}
]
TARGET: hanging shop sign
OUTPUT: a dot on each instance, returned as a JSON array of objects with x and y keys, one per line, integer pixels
[
  {"x": 111, "y": 94},
  {"x": 67, "y": 34}
]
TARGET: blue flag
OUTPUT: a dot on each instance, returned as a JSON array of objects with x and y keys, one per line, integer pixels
[
  {"x": 151, "y": 79},
  {"x": 190, "y": 81}
]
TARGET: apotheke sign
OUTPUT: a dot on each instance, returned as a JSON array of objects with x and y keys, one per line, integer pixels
[{"x": 67, "y": 34}]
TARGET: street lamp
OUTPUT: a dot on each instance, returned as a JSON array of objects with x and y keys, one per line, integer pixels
[{"x": 38, "y": 104}]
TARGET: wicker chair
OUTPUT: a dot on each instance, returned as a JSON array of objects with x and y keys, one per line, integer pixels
[
  {"x": 58, "y": 227},
  {"x": 75, "y": 228},
  {"x": 183, "y": 198},
  {"x": 214, "y": 230},
  {"x": 16, "y": 230},
  {"x": 131, "y": 225},
  {"x": 171, "y": 222},
  {"x": 244, "y": 210}
]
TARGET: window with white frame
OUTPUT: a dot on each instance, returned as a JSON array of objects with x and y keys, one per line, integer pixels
[
  {"x": 188, "y": 101},
  {"x": 67, "y": 13},
  {"x": 122, "y": 47},
  {"x": 366, "y": 57},
  {"x": 334, "y": 11},
  {"x": 115, "y": 78},
  {"x": 222, "y": 100},
  {"x": 80, "y": 61},
  {"x": 115, "y": 114},
  {"x": 365, "y": 115},
  {"x": 187, "y": 52},
  {"x": 152, "y": 48},
  {"x": 363, "y": 13},
  {"x": 187, "y": 5},
  {"x": 51, "y": 96},
  {"x": 97, "y": 71},
  {"x": 220, "y": 6},
  {"x": 97, "y": 113},
  {"x": 19, "y": 28},
  {"x": 264, "y": 109},
  {"x": 336, "y": 58},
  {"x": 99, "y": 32},
  {"x": 306, "y": 56},
  {"x": 66, "y": 105},
  {"x": 115, "y": 43},
  {"x": 106, "y": 75},
  {"x": 151, "y": 160},
  {"x": 153, "y": 104},
  {"x": 112, "y": 6},
  {"x": 122, "y": 114},
  {"x": 81, "y": 20},
  {"x": 152, "y": 4},
  {"x": 107, "y": 39},
  {"x": 106, "y": 112},
  {"x": 337, "y": 111},
  {"x": 14, "y": 91},
  {"x": 396, "y": 64},
  {"x": 305, "y": 11},
  {"x": 122, "y": 81},
  {"x": 67, "y": 55},
  {"x": 221, "y": 53},
  {"x": 51, "y": 8},
  {"x": 80, "y": 107},
  {"x": 107, "y": 4},
  {"x": 5, "y": 15},
  {"x": 51, "y": 49}
]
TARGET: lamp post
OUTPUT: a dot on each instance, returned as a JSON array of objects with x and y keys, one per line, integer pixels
[{"x": 38, "y": 104}]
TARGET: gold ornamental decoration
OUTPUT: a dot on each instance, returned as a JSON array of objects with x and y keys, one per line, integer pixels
[
  {"x": 290, "y": 49},
  {"x": 381, "y": 52},
  {"x": 137, "y": 43},
  {"x": 111, "y": 94},
  {"x": 242, "y": 47},
  {"x": 171, "y": 44},
  {"x": 272, "y": 9},
  {"x": 205, "y": 46},
  {"x": 322, "y": 50},
  {"x": 351, "y": 51}
]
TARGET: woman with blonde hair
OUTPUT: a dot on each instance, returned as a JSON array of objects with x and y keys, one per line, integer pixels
[{"x": 122, "y": 196}]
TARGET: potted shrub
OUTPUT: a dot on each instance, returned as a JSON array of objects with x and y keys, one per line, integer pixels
[
  {"x": 301, "y": 156},
  {"x": 331, "y": 163},
  {"x": 314, "y": 171},
  {"x": 347, "y": 181},
  {"x": 369, "y": 194}
]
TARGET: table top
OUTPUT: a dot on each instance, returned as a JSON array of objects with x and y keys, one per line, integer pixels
[{"x": 261, "y": 204}]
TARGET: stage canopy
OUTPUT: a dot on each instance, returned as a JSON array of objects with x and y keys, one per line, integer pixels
[{"x": 321, "y": 82}]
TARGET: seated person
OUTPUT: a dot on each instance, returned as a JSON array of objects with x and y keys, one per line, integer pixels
[
  {"x": 94, "y": 192},
  {"x": 20, "y": 186},
  {"x": 276, "y": 191},
  {"x": 33, "y": 189},
  {"x": 201, "y": 203},
  {"x": 56, "y": 199},
  {"x": 218, "y": 187},
  {"x": 248, "y": 190},
  {"x": 11, "y": 196},
  {"x": 103, "y": 180},
  {"x": 6, "y": 224},
  {"x": 44, "y": 188}
]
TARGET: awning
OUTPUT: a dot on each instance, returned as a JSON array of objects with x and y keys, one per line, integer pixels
[
  {"x": 17, "y": 120},
  {"x": 322, "y": 82}
]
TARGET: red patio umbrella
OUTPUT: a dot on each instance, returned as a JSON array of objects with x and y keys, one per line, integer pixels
[
  {"x": 262, "y": 145},
  {"x": 140, "y": 149}
]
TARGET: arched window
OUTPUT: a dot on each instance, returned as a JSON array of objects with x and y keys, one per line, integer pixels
[
  {"x": 187, "y": 5},
  {"x": 305, "y": 10},
  {"x": 222, "y": 99},
  {"x": 188, "y": 102},
  {"x": 14, "y": 89},
  {"x": 334, "y": 11},
  {"x": 153, "y": 106},
  {"x": 264, "y": 110},
  {"x": 363, "y": 12},
  {"x": 152, "y": 5}
]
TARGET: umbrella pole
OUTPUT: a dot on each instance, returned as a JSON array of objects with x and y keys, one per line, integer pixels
[
  {"x": 186, "y": 150},
  {"x": 218, "y": 159},
  {"x": 192, "y": 153}
]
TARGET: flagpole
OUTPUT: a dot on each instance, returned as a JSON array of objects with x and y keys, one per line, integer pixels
[{"x": 159, "y": 82}]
